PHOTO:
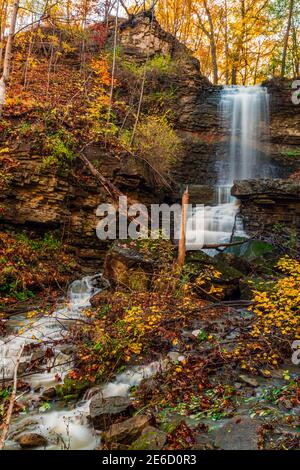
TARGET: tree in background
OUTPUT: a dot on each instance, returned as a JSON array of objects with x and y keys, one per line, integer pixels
[
  {"x": 237, "y": 41},
  {"x": 8, "y": 52}
]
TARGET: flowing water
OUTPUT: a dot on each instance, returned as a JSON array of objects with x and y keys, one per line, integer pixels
[
  {"x": 63, "y": 427},
  {"x": 244, "y": 114}
]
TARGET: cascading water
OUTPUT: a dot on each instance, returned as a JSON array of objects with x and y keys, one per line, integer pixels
[
  {"x": 67, "y": 427},
  {"x": 244, "y": 113}
]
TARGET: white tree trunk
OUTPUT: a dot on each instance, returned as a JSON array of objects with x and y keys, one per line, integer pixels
[{"x": 8, "y": 54}]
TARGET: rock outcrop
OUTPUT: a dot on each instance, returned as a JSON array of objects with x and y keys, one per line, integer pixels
[
  {"x": 268, "y": 202},
  {"x": 196, "y": 104},
  {"x": 40, "y": 199},
  {"x": 284, "y": 125},
  {"x": 104, "y": 411},
  {"x": 126, "y": 266}
]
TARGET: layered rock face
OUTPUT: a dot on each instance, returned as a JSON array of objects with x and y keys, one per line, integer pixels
[
  {"x": 284, "y": 125},
  {"x": 196, "y": 105},
  {"x": 268, "y": 203},
  {"x": 40, "y": 199}
]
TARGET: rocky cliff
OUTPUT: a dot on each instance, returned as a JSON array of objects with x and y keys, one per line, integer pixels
[
  {"x": 268, "y": 205},
  {"x": 284, "y": 125},
  {"x": 196, "y": 103}
]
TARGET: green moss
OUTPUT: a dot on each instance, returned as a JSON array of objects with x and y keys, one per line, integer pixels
[
  {"x": 71, "y": 389},
  {"x": 291, "y": 153}
]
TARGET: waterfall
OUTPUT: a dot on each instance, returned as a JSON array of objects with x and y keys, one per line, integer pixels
[
  {"x": 244, "y": 111},
  {"x": 244, "y": 116}
]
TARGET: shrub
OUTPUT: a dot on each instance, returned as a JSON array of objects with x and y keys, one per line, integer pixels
[
  {"x": 60, "y": 149},
  {"x": 157, "y": 144},
  {"x": 277, "y": 308}
]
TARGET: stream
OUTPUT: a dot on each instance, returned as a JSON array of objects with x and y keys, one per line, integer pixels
[{"x": 64, "y": 427}]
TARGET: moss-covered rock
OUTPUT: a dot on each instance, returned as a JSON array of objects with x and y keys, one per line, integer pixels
[
  {"x": 216, "y": 272},
  {"x": 150, "y": 439},
  {"x": 126, "y": 266}
]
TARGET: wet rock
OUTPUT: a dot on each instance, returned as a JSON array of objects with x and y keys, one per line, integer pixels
[
  {"x": 249, "y": 380},
  {"x": 228, "y": 279},
  {"x": 240, "y": 433},
  {"x": 203, "y": 442},
  {"x": 126, "y": 266},
  {"x": 49, "y": 394},
  {"x": 126, "y": 432},
  {"x": 91, "y": 392},
  {"x": 171, "y": 423},
  {"x": 150, "y": 439},
  {"x": 31, "y": 440},
  {"x": 103, "y": 411},
  {"x": 237, "y": 262}
]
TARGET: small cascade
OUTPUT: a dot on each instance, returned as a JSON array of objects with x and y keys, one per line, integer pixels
[
  {"x": 64, "y": 428},
  {"x": 70, "y": 429},
  {"x": 217, "y": 221},
  {"x": 44, "y": 328}
]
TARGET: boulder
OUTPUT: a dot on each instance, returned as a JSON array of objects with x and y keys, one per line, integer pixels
[
  {"x": 126, "y": 432},
  {"x": 49, "y": 393},
  {"x": 236, "y": 262},
  {"x": 126, "y": 266},
  {"x": 150, "y": 439},
  {"x": 249, "y": 380},
  {"x": 103, "y": 411},
  {"x": 240, "y": 433},
  {"x": 31, "y": 440},
  {"x": 200, "y": 262}
]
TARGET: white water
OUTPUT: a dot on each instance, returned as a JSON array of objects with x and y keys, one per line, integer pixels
[
  {"x": 245, "y": 109},
  {"x": 63, "y": 428},
  {"x": 245, "y": 112},
  {"x": 70, "y": 429},
  {"x": 45, "y": 329}
]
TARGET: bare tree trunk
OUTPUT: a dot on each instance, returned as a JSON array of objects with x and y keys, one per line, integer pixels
[
  {"x": 226, "y": 45},
  {"x": 234, "y": 75},
  {"x": 2, "y": 28},
  {"x": 210, "y": 33},
  {"x": 296, "y": 52},
  {"x": 286, "y": 38},
  {"x": 8, "y": 54},
  {"x": 143, "y": 81},
  {"x": 213, "y": 46},
  {"x": 11, "y": 401},
  {"x": 114, "y": 63},
  {"x": 182, "y": 241}
]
